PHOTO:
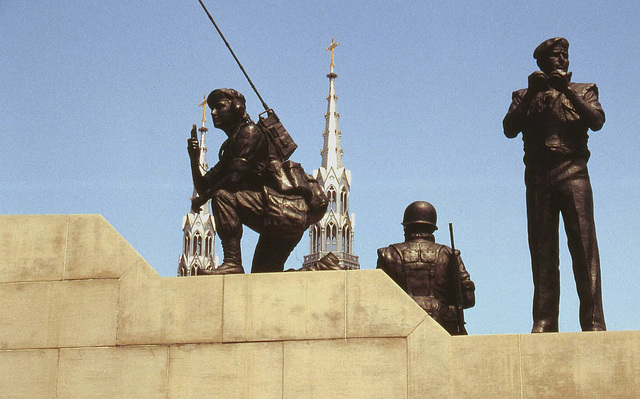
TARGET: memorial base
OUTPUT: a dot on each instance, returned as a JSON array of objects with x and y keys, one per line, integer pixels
[{"x": 84, "y": 315}]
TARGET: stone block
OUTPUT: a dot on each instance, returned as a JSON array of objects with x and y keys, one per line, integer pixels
[
  {"x": 486, "y": 366},
  {"x": 28, "y": 373},
  {"x": 167, "y": 310},
  {"x": 282, "y": 306},
  {"x": 429, "y": 359},
  {"x": 33, "y": 247},
  {"x": 58, "y": 314},
  {"x": 243, "y": 370},
  {"x": 581, "y": 365},
  {"x": 96, "y": 249},
  {"x": 378, "y": 307},
  {"x": 367, "y": 368},
  {"x": 132, "y": 372}
]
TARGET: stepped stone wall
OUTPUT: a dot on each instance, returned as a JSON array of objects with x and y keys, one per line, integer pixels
[{"x": 84, "y": 315}]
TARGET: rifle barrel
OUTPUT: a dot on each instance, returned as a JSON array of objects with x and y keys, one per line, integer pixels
[
  {"x": 451, "y": 234},
  {"x": 457, "y": 284}
]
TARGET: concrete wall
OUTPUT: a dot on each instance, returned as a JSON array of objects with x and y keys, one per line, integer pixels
[{"x": 83, "y": 315}]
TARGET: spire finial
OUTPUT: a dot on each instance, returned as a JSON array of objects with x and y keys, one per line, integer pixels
[
  {"x": 332, "y": 48},
  {"x": 203, "y": 131},
  {"x": 203, "y": 104}
]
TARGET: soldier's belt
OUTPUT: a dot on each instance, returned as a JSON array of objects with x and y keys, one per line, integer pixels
[{"x": 418, "y": 266}]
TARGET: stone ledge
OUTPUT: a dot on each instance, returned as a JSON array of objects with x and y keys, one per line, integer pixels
[
  {"x": 284, "y": 306},
  {"x": 167, "y": 310},
  {"x": 62, "y": 247},
  {"x": 266, "y": 307},
  {"x": 488, "y": 364},
  {"x": 131, "y": 372},
  {"x": 347, "y": 368},
  {"x": 28, "y": 373},
  {"x": 378, "y": 307},
  {"x": 115, "y": 328},
  {"x": 580, "y": 365},
  {"x": 33, "y": 247},
  {"x": 96, "y": 250},
  {"x": 53, "y": 314},
  {"x": 552, "y": 365},
  {"x": 243, "y": 370},
  {"x": 91, "y": 288}
]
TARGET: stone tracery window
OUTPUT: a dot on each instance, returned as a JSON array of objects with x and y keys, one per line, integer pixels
[
  {"x": 208, "y": 245},
  {"x": 318, "y": 238},
  {"x": 314, "y": 237},
  {"x": 197, "y": 244},
  {"x": 331, "y": 196},
  {"x": 346, "y": 239},
  {"x": 344, "y": 201},
  {"x": 332, "y": 239}
]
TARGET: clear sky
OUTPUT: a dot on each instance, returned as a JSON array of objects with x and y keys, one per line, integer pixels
[{"x": 97, "y": 100}]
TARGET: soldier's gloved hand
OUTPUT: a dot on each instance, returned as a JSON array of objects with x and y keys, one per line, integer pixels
[
  {"x": 193, "y": 147},
  {"x": 559, "y": 80},
  {"x": 197, "y": 202},
  {"x": 537, "y": 82}
]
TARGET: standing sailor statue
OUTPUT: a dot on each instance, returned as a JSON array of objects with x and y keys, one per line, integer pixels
[{"x": 554, "y": 116}]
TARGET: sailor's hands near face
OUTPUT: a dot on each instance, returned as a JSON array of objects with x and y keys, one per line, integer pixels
[
  {"x": 537, "y": 82},
  {"x": 559, "y": 80}
]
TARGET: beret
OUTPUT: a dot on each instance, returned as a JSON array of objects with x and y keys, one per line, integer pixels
[{"x": 548, "y": 44}]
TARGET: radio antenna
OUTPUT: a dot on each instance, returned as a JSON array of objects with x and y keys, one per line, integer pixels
[
  {"x": 283, "y": 145},
  {"x": 264, "y": 104}
]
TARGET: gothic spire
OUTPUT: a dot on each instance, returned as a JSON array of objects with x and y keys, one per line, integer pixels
[
  {"x": 331, "y": 151},
  {"x": 203, "y": 132},
  {"x": 334, "y": 233},
  {"x": 198, "y": 228}
]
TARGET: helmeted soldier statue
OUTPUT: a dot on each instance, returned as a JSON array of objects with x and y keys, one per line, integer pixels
[
  {"x": 426, "y": 270},
  {"x": 554, "y": 116},
  {"x": 240, "y": 191}
]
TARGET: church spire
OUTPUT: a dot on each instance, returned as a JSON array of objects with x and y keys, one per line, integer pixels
[
  {"x": 331, "y": 151},
  {"x": 334, "y": 233},
  {"x": 199, "y": 228},
  {"x": 204, "y": 167}
]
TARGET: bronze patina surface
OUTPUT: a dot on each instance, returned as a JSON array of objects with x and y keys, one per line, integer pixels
[
  {"x": 554, "y": 116},
  {"x": 432, "y": 274}
]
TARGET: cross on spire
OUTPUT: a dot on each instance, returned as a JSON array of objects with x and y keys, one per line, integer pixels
[
  {"x": 332, "y": 48},
  {"x": 203, "y": 104}
]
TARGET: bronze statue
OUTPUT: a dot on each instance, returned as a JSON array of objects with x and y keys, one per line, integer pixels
[
  {"x": 432, "y": 274},
  {"x": 554, "y": 115},
  {"x": 328, "y": 262},
  {"x": 244, "y": 189}
]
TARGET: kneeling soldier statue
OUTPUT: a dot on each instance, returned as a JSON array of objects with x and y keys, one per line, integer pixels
[
  {"x": 432, "y": 274},
  {"x": 241, "y": 190}
]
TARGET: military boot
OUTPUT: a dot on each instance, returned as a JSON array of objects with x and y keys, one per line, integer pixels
[{"x": 232, "y": 263}]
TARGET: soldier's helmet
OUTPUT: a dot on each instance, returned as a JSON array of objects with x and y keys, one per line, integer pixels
[
  {"x": 420, "y": 212},
  {"x": 227, "y": 94}
]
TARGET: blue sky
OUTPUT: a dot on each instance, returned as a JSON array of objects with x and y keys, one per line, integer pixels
[{"x": 98, "y": 99}]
